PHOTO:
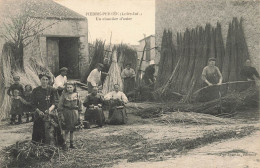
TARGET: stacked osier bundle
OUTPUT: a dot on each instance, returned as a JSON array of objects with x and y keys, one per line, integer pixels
[
  {"x": 125, "y": 55},
  {"x": 180, "y": 67},
  {"x": 96, "y": 56},
  {"x": 114, "y": 76},
  {"x": 33, "y": 67}
]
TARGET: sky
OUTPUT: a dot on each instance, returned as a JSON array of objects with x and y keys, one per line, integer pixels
[{"x": 98, "y": 12}]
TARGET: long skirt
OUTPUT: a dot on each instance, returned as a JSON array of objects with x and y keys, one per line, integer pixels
[
  {"x": 129, "y": 84},
  {"x": 47, "y": 132},
  {"x": 70, "y": 119},
  {"x": 38, "y": 134},
  {"x": 117, "y": 115},
  {"x": 95, "y": 116}
]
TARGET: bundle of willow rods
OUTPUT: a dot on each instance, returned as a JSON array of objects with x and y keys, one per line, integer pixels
[
  {"x": 114, "y": 76},
  {"x": 125, "y": 55},
  {"x": 194, "y": 47},
  {"x": 168, "y": 59},
  {"x": 236, "y": 53},
  {"x": 97, "y": 56},
  {"x": 29, "y": 76}
]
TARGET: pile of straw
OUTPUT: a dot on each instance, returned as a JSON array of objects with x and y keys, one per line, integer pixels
[
  {"x": 114, "y": 76},
  {"x": 26, "y": 152},
  {"x": 192, "y": 118}
]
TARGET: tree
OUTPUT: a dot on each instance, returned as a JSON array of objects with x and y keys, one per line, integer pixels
[{"x": 20, "y": 30}]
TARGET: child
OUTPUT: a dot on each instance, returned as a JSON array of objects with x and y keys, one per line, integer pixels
[
  {"x": 70, "y": 106},
  {"x": 27, "y": 99},
  {"x": 15, "y": 92}
]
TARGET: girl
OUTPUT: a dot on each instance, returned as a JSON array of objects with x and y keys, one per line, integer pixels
[
  {"x": 70, "y": 106},
  {"x": 27, "y": 101}
]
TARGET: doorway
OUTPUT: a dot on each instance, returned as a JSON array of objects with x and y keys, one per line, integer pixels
[{"x": 63, "y": 52}]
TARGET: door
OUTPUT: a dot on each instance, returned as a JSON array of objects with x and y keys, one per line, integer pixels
[{"x": 53, "y": 55}]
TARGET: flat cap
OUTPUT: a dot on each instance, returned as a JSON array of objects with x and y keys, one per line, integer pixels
[
  {"x": 212, "y": 59},
  {"x": 100, "y": 65},
  {"x": 16, "y": 78},
  {"x": 64, "y": 69}
]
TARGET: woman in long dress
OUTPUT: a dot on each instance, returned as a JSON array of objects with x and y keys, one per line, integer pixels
[
  {"x": 212, "y": 77},
  {"x": 70, "y": 106},
  {"x": 44, "y": 98}
]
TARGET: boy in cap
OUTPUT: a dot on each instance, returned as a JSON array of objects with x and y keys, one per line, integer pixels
[
  {"x": 59, "y": 82},
  {"x": 16, "y": 92}
]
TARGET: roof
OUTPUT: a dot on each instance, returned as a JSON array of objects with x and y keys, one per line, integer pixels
[
  {"x": 146, "y": 38},
  {"x": 47, "y": 9}
]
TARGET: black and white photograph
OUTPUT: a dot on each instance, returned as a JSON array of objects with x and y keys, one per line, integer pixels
[{"x": 129, "y": 84}]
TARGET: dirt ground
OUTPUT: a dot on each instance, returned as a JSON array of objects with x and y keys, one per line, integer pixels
[
  {"x": 154, "y": 142},
  {"x": 174, "y": 139}
]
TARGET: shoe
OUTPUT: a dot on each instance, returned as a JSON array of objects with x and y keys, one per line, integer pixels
[
  {"x": 72, "y": 146},
  {"x": 12, "y": 123},
  {"x": 27, "y": 120},
  {"x": 64, "y": 147}
]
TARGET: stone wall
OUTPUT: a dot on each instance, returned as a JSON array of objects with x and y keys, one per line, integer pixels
[
  {"x": 177, "y": 15},
  {"x": 63, "y": 28}
]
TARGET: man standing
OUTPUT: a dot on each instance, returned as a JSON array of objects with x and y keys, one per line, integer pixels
[
  {"x": 59, "y": 81},
  {"x": 128, "y": 76},
  {"x": 248, "y": 73},
  {"x": 148, "y": 77},
  {"x": 94, "y": 78}
]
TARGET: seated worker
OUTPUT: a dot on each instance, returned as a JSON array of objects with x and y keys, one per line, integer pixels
[
  {"x": 116, "y": 98},
  {"x": 94, "y": 113},
  {"x": 61, "y": 80}
]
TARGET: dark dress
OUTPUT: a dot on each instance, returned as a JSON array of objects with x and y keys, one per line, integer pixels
[
  {"x": 27, "y": 107},
  {"x": 42, "y": 98},
  {"x": 248, "y": 73},
  {"x": 94, "y": 114}
]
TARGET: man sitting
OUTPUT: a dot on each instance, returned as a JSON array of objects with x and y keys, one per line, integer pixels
[
  {"x": 93, "y": 103},
  {"x": 116, "y": 99}
]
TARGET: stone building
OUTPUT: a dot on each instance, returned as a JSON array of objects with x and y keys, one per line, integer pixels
[{"x": 63, "y": 37}]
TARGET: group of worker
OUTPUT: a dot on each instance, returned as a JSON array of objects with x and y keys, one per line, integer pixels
[{"x": 212, "y": 77}]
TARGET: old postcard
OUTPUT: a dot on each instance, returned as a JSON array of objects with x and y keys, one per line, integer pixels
[{"x": 134, "y": 83}]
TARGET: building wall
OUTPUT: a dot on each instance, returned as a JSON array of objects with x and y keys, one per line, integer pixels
[
  {"x": 146, "y": 62},
  {"x": 178, "y": 15},
  {"x": 63, "y": 28}
]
